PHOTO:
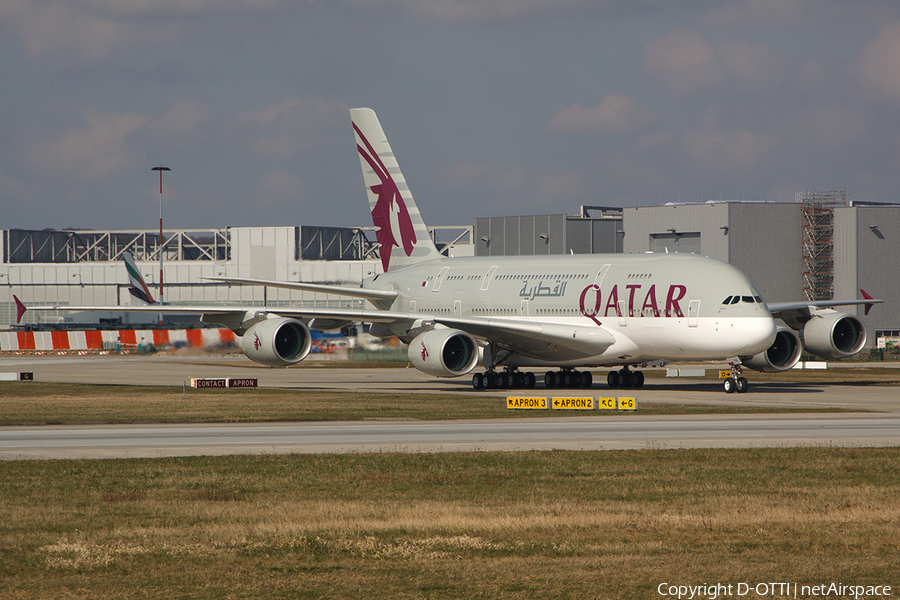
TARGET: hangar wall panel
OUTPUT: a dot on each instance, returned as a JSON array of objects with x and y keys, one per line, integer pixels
[
  {"x": 764, "y": 242},
  {"x": 867, "y": 256}
]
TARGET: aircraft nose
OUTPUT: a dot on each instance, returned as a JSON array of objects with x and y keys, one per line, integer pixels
[{"x": 761, "y": 336}]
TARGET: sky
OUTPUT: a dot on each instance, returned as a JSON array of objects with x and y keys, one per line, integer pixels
[{"x": 493, "y": 107}]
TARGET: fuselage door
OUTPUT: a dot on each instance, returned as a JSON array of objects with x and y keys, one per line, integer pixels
[
  {"x": 693, "y": 313},
  {"x": 523, "y": 311},
  {"x": 600, "y": 275},
  {"x": 439, "y": 280},
  {"x": 621, "y": 307},
  {"x": 457, "y": 307},
  {"x": 487, "y": 278}
]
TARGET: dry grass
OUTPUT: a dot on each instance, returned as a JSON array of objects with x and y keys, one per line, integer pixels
[
  {"x": 67, "y": 403},
  {"x": 492, "y": 525}
]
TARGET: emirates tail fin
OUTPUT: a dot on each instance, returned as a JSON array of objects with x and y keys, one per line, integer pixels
[{"x": 136, "y": 284}]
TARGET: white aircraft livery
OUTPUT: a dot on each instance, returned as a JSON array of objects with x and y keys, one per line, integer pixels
[{"x": 558, "y": 314}]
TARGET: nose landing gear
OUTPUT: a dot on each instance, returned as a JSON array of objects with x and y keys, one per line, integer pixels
[{"x": 736, "y": 383}]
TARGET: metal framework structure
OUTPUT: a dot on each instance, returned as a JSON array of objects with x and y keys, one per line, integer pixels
[
  {"x": 49, "y": 246},
  {"x": 334, "y": 243},
  {"x": 817, "y": 239}
]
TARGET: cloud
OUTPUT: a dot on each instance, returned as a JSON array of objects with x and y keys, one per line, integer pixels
[
  {"x": 561, "y": 185},
  {"x": 292, "y": 125},
  {"x": 94, "y": 29},
  {"x": 70, "y": 31},
  {"x": 762, "y": 11},
  {"x": 734, "y": 150},
  {"x": 468, "y": 11},
  {"x": 279, "y": 187},
  {"x": 93, "y": 152},
  {"x": 686, "y": 61},
  {"x": 615, "y": 112},
  {"x": 683, "y": 59},
  {"x": 879, "y": 64}
]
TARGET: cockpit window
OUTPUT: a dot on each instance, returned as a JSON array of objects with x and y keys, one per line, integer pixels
[{"x": 735, "y": 299}]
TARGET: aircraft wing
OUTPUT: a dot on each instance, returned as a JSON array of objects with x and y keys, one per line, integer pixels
[
  {"x": 374, "y": 295},
  {"x": 793, "y": 311},
  {"x": 225, "y": 314},
  {"x": 549, "y": 341}
]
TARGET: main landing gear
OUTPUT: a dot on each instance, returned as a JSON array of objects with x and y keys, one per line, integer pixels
[
  {"x": 509, "y": 379},
  {"x": 736, "y": 383},
  {"x": 625, "y": 378},
  {"x": 568, "y": 378}
]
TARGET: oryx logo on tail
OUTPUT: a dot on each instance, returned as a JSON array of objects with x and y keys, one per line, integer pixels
[
  {"x": 394, "y": 228},
  {"x": 400, "y": 231}
]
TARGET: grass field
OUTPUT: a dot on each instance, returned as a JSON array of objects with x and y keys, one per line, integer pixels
[
  {"x": 458, "y": 525},
  {"x": 486, "y": 525},
  {"x": 65, "y": 403}
]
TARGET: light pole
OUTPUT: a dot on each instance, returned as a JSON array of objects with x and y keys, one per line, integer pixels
[{"x": 160, "y": 169}]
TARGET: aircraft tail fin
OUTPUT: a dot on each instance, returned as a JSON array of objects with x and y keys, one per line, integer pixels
[
  {"x": 399, "y": 228},
  {"x": 20, "y": 309},
  {"x": 136, "y": 284}
]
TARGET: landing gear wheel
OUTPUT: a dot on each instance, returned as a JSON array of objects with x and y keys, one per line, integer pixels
[
  {"x": 568, "y": 379},
  {"x": 637, "y": 379},
  {"x": 613, "y": 379},
  {"x": 586, "y": 379},
  {"x": 519, "y": 379},
  {"x": 550, "y": 379},
  {"x": 478, "y": 381},
  {"x": 730, "y": 385},
  {"x": 490, "y": 381},
  {"x": 742, "y": 385},
  {"x": 530, "y": 380},
  {"x": 626, "y": 378}
]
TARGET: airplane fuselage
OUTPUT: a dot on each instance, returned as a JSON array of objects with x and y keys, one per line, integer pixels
[{"x": 657, "y": 306}]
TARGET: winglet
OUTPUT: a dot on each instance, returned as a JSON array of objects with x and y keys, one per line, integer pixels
[
  {"x": 867, "y": 297},
  {"x": 20, "y": 309}
]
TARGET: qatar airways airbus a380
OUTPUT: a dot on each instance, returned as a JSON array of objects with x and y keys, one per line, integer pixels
[{"x": 554, "y": 314}]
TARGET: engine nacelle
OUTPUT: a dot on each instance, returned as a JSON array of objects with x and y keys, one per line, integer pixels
[
  {"x": 444, "y": 352},
  {"x": 782, "y": 355},
  {"x": 277, "y": 342},
  {"x": 832, "y": 334}
]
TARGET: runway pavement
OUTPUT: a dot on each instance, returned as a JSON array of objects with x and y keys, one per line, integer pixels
[{"x": 880, "y": 428}]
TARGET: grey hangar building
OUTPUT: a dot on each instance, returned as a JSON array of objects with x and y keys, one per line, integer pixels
[{"x": 822, "y": 246}]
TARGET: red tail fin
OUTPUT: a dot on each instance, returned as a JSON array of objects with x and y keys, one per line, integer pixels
[{"x": 20, "y": 309}]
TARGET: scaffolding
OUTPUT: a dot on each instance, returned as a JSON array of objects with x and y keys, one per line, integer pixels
[
  {"x": 75, "y": 246},
  {"x": 817, "y": 239}
]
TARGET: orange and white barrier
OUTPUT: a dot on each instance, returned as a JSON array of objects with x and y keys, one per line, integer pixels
[{"x": 54, "y": 341}]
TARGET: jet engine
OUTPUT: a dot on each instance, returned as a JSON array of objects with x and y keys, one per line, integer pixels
[
  {"x": 277, "y": 342},
  {"x": 444, "y": 352},
  {"x": 832, "y": 334},
  {"x": 780, "y": 356}
]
